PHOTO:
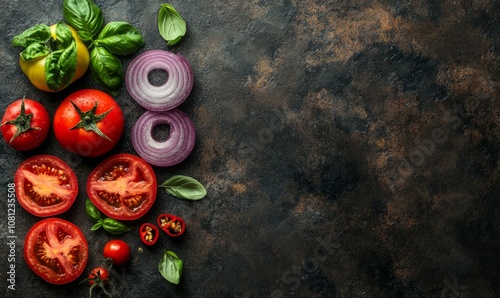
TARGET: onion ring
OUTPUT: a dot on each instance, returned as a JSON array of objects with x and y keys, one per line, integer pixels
[
  {"x": 168, "y": 95},
  {"x": 175, "y": 148}
]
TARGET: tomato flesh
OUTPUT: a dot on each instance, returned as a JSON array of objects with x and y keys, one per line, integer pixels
[
  {"x": 45, "y": 185},
  {"x": 122, "y": 187},
  {"x": 56, "y": 250}
]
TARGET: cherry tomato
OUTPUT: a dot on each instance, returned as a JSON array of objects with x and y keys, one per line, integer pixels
[
  {"x": 25, "y": 124},
  {"x": 123, "y": 187},
  {"x": 118, "y": 251},
  {"x": 88, "y": 122},
  {"x": 56, "y": 250},
  {"x": 99, "y": 276},
  {"x": 45, "y": 185}
]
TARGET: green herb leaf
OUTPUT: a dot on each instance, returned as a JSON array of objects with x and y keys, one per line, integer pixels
[
  {"x": 39, "y": 34},
  {"x": 84, "y": 16},
  {"x": 171, "y": 25},
  {"x": 106, "y": 69},
  {"x": 114, "y": 227},
  {"x": 97, "y": 225},
  {"x": 60, "y": 67},
  {"x": 64, "y": 37},
  {"x": 34, "y": 50},
  {"x": 170, "y": 267},
  {"x": 92, "y": 211},
  {"x": 184, "y": 187},
  {"x": 120, "y": 38},
  {"x": 38, "y": 40}
]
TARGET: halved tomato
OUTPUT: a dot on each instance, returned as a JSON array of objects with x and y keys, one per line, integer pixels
[
  {"x": 123, "y": 187},
  {"x": 56, "y": 250},
  {"x": 45, "y": 185}
]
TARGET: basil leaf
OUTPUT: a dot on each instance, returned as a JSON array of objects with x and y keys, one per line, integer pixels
[
  {"x": 64, "y": 37},
  {"x": 171, "y": 25},
  {"x": 92, "y": 211},
  {"x": 37, "y": 34},
  {"x": 184, "y": 187},
  {"x": 84, "y": 16},
  {"x": 60, "y": 67},
  {"x": 97, "y": 225},
  {"x": 170, "y": 267},
  {"x": 114, "y": 227},
  {"x": 34, "y": 50},
  {"x": 106, "y": 68},
  {"x": 120, "y": 38}
]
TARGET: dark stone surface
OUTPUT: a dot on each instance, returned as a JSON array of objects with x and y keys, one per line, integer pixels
[{"x": 349, "y": 149}]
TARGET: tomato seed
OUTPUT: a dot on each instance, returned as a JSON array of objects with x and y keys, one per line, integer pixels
[{"x": 111, "y": 199}]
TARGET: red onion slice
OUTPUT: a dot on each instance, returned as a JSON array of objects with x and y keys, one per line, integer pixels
[
  {"x": 175, "y": 148},
  {"x": 164, "y": 97}
]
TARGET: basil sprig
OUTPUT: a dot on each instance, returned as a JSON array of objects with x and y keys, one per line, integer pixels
[
  {"x": 106, "y": 68},
  {"x": 171, "y": 25},
  {"x": 60, "y": 65},
  {"x": 184, "y": 187},
  {"x": 120, "y": 38},
  {"x": 35, "y": 37},
  {"x": 105, "y": 42},
  {"x": 93, "y": 213},
  {"x": 170, "y": 267},
  {"x": 114, "y": 227},
  {"x": 85, "y": 16},
  {"x": 110, "y": 225}
]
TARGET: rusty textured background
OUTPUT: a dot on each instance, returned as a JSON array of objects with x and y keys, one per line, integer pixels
[{"x": 349, "y": 149}]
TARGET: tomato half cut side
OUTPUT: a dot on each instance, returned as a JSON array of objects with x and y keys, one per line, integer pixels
[
  {"x": 123, "y": 187},
  {"x": 45, "y": 185},
  {"x": 56, "y": 250}
]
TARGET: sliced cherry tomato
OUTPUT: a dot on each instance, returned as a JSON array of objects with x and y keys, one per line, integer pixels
[
  {"x": 25, "y": 124},
  {"x": 118, "y": 251},
  {"x": 123, "y": 187},
  {"x": 45, "y": 185},
  {"x": 88, "y": 122},
  {"x": 148, "y": 233},
  {"x": 56, "y": 250},
  {"x": 173, "y": 225}
]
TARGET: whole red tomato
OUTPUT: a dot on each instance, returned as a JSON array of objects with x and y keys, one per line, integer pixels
[
  {"x": 88, "y": 122},
  {"x": 118, "y": 251},
  {"x": 25, "y": 124}
]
